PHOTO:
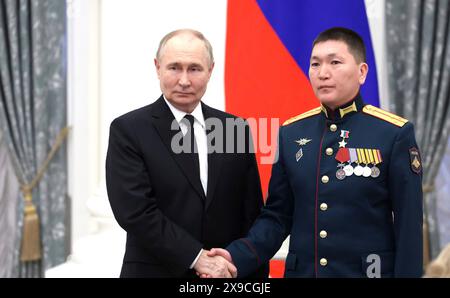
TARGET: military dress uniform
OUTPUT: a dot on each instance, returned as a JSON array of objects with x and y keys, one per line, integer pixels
[{"x": 347, "y": 188}]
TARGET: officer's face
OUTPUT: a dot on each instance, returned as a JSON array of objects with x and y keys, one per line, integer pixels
[
  {"x": 334, "y": 73},
  {"x": 184, "y": 70}
]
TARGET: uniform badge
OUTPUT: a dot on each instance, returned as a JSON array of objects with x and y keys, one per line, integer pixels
[
  {"x": 416, "y": 163},
  {"x": 301, "y": 142},
  {"x": 299, "y": 155}
]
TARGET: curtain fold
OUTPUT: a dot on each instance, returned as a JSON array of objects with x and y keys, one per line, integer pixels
[
  {"x": 32, "y": 114},
  {"x": 443, "y": 199},
  {"x": 418, "y": 54}
]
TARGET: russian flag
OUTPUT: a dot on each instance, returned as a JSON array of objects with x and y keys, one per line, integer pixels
[{"x": 268, "y": 46}]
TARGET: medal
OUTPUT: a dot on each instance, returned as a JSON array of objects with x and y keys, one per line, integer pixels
[
  {"x": 367, "y": 157},
  {"x": 358, "y": 171},
  {"x": 367, "y": 171},
  {"x": 344, "y": 135},
  {"x": 348, "y": 169},
  {"x": 375, "y": 172},
  {"x": 342, "y": 144},
  {"x": 343, "y": 156},
  {"x": 377, "y": 159},
  {"x": 340, "y": 174}
]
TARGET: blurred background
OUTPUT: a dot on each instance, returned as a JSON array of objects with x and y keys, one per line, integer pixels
[{"x": 68, "y": 68}]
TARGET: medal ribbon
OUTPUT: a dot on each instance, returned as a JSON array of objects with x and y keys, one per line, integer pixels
[{"x": 343, "y": 155}]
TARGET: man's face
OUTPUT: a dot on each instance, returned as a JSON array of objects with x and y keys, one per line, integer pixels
[
  {"x": 334, "y": 73},
  {"x": 184, "y": 70}
]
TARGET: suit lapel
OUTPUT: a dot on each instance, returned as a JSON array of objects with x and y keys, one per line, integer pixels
[
  {"x": 215, "y": 160},
  {"x": 162, "y": 119}
]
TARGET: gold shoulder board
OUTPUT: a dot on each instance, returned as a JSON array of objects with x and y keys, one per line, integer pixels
[
  {"x": 303, "y": 116},
  {"x": 386, "y": 116}
]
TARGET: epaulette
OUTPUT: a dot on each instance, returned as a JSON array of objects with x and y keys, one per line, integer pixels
[
  {"x": 384, "y": 115},
  {"x": 303, "y": 116}
]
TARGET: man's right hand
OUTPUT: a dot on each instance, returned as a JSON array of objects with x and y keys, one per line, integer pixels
[
  {"x": 220, "y": 252},
  {"x": 213, "y": 264}
]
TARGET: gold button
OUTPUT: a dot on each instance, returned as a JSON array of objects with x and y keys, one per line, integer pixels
[
  {"x": 333, "y": 127},
  {"x": 329, "y": 151},
  {"x": 323, "y": 207},
  {"x": 323, "y": 262},
  {"x": 325, "y": 179},
  {"x": 323, "y": 234}
]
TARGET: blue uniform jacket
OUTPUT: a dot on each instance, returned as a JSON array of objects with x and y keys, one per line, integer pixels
[{"x": 355, "y": 227}]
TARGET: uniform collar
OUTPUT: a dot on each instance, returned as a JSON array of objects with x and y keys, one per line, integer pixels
[{"x": 351, "y": 107}]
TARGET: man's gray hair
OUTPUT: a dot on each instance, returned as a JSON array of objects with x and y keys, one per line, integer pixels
[{"x": 195, "y": 33}]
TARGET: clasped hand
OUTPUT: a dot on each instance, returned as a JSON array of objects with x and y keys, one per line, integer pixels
[{"x": 216, "y": 263}]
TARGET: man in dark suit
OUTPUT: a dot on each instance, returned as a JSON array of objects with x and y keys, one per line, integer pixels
[
  {"x": 169, "y": 184},
  {"x": 347, "y": 186}
]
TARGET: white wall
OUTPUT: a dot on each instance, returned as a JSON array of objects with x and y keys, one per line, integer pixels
[{"x": 83, "y": 109}]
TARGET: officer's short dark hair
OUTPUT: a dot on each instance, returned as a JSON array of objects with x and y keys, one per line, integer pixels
[{"x": 352, "y": 39}]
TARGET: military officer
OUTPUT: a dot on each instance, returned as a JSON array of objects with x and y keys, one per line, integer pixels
[{"x": 347, "y": 185}]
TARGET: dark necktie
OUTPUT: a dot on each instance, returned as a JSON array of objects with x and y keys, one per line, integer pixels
[{"x": 190, "y": 138}]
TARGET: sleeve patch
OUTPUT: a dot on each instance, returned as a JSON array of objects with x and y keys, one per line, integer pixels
[{"x": 416, "y": 162}]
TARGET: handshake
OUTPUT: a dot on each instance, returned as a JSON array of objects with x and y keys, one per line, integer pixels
[{"x": 215, "y": 263}]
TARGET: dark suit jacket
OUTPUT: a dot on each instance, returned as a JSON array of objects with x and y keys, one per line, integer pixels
[{"x": 156, "y": 197}]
